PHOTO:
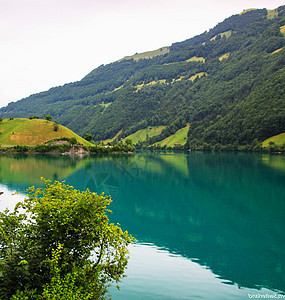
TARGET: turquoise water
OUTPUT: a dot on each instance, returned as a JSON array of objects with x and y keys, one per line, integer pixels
[{"x": 208, "y": 226}]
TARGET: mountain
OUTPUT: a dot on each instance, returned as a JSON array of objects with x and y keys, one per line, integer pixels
[{"x": 228, "y": 83}]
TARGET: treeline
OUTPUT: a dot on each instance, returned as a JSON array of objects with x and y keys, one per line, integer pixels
[
  {"x": 67, "y": 147},
  {"x": 38, "y": 148},
  {"x": 118, "y": 147},
  {"x": 205, "y": 147}
]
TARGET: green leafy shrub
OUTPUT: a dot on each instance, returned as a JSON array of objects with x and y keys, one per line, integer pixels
[{"x": 58, "y": 244}]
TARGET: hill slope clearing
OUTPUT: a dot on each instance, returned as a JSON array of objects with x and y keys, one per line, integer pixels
[
  {"x": 113, "y": 139},
  {"x": 180, "y": 137},
  {"x": 277, "y": 139},
  {"x": 142, "y": 134},
  {"x": 148, "y": 54},
  {"x": 33, "y": 132},
  {"x": 282, "y": 29}
]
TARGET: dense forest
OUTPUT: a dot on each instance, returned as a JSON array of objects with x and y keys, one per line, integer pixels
[{"x": 228, "y": 83}]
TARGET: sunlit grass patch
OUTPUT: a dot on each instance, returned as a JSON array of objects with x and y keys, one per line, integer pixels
[
  {"x": 195, "y": 58},
  {"x": 199, "y": 75},
  {"x": 106, "y": 104},
  {"x": 276, "y": 51},
  {"x": 116, "y": 89},
  {"x": 277, "y": 139},
  {"x": 180, "y": 137},
  {"x": 140, "y": 86},
  {"x": 148, "y": 54},
  {"x": 23, "y": 131},
  {"x": 225, "y": 56},
  {"x": 226, "y": 34},
  {"x": 272, "y": 13},
  {"x": 142, "y": 134},
  {"x": 282, "y": 29},
  {"x": 178, "y": 79}
]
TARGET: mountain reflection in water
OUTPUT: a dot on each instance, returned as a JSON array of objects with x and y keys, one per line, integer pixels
[{"x": 223, "y": 211}]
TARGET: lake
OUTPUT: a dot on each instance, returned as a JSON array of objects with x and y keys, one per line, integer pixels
[{"x": 208, "y": 226}]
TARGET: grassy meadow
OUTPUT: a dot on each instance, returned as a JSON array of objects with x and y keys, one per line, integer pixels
[
  {"x": 141, "y": 135},
  {"x": 225, "y": 56},
  {"x": 272, "y": 13},
  {"x": 227, "y": 34},
  {"x": 180, "y": 137},
  {"x": 192, "y": 78},
  {"x": 277, "y": 139},
  {"x": 282, "y": 29},
  {"x": 148, "y": 54},
  {"x": 140, "y": 86},
  {"x": 195, "y": 58},
  {"x": 33, "y": 132}
]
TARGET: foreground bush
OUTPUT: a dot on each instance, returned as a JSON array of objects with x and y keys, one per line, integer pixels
[{"x": 58, "y": 244}]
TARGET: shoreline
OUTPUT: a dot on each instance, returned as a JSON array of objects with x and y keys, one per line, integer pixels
[{"x": 80, "y": 151}]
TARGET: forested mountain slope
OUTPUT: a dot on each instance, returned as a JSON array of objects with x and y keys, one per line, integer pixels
[{"x": 228, "y": 83}]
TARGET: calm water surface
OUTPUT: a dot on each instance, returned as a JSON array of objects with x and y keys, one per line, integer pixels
[{"x": 208, "y": 226}]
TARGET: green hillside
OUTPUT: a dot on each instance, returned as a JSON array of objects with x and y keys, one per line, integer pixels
[
  {"x": 179, "y": 137},
  {"x": 142, "y": 134},
  {"x": 33, "y": 132},
  {"x": 277, "y": 139},
  {"x": 228, "y": 83}
]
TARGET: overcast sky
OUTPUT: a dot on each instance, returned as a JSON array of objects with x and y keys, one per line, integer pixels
[{"x": 46, "y": 43}]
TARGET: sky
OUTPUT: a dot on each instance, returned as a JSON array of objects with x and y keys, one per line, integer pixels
[{"x": 47, "y": 43}]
